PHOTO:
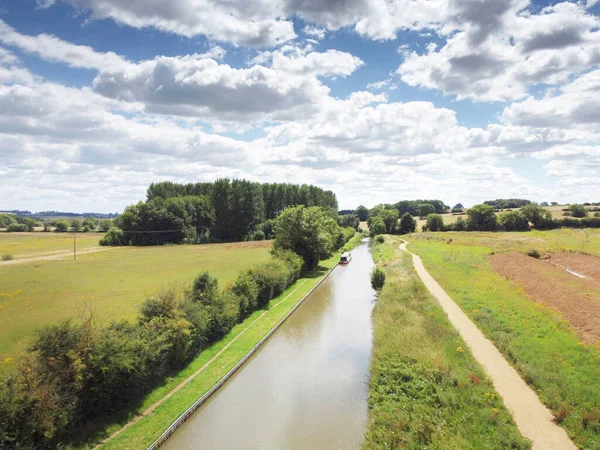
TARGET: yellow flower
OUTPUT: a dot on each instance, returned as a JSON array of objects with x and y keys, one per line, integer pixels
[
  {"x": 487, "y": 394},
  {"x": 495, "y": 411},
  {"x": 459, "y": 349},
  {"x": 7, "y": 360}
]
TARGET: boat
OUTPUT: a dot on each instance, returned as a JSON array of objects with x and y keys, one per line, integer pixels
[{"x": 346, "y": 258}]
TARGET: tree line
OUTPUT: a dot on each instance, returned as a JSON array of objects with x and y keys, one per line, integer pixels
[
  {"x": 222, "y": 211},
  {"x": 75, "y": 373}
]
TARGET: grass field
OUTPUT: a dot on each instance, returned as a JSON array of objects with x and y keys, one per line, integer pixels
[
  {"x": 150, "y": 427},
  {"x": 426, "y": 389},
  {"x": 28, "y": 245},
  {"x": 114, "y": 283},
  {"x": 536, "y": 340}
]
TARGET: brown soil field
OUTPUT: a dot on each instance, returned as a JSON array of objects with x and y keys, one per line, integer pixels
[
  {"x": 583, "y": 264},
  {"x": 577, "y": 299}
]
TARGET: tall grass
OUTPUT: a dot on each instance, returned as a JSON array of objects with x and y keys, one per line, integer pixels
[
  {"x": 537, "y": 341},
  {"x": 426, "y": 389}
]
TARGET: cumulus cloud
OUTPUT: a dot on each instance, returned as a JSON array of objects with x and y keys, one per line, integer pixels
[{"x": 498, "y": 57}]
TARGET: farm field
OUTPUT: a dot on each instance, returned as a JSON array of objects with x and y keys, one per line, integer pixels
[
  {"x": 426, "y": 388},
  {"x": 114, "y": 283},
  {"x": 528, "y": 310},
  {"x": 29, "y": 245}
]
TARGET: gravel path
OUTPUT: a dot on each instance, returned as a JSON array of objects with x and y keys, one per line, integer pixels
[{"x": 533, "y": 419}]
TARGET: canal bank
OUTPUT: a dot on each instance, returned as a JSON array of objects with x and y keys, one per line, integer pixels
[{"x": 308, "y": 386}]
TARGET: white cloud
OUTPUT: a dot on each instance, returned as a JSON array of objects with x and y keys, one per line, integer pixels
[
  {"x": 53, "y": 49},
  {"x": 497, "y": 58},
  {"x": 317, "y": 32}
]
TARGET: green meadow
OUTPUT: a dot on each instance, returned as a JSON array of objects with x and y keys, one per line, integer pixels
[
  {"x": 112, "y": 283},
  {"x": 30, "y": 245},
  {"x": 426, "y": 388}
]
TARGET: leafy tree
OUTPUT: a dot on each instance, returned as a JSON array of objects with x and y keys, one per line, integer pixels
[
  {"x": 61, "y": 226},
  {"x": 545, "y": 204},
  {"x": 105, "y": 224},
  {"x": 17, "y": 227},
  {"x": 554, "y": 203},
  {"x": 205, "y": 288},
  {"x": 540, "y": 217},
  {"x": 378, "y": 226},
  {"x": 76, "y": 224},
  {"x": 390, "y": 219},
  {"x": 458, "y": 208},
  {"x": 579, "y": 211},
  {"x": 513, "y": 221},
  {"x": 482, "y": 218},
  {"x": 362, "y": 212},
  {"x": 114, "y": 237},
  {"x": 308, "y": 232},
  {"x": 90, "y": 223},
  {"x": 435, "y": 222},
  {"x": 425, "y": 209},
  {"x": 407, "y": 224},
  {"x": 460, "y": 225},
  {"x": 349, "y": 220}
]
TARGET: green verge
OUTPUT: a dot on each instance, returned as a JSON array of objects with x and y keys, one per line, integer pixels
[
  {"x": 426, "y": 388},
  {"x": 144, "y": 432},
  {"x": 536, "y": 340}
]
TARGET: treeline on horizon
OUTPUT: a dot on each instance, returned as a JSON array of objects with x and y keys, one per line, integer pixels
[
  {"x": 75, "y": 374},
  {"x": 221, "y": 211}
]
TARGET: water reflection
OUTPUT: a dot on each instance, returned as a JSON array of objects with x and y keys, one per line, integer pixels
[{"x": 307, "y": 387}]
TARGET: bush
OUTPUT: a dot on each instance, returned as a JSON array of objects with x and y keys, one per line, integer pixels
[
  {"x": 435, "y": 222},
  {"x": 514, "y": 221},
  {"x": 540, "y": 217},
  {"x": 61, "y": 226},
  {"x": 380, "y": 239},
  {"x": 378, "y": 227},
  {"x": 7, "y": 257},
  {"x": 114, "y": 237},
  {"x": 597, "y": 214},
  {"x": 258, "y": 235},
  {"x": 407, "y": 224},
  {"x": 567, "y": 214},
  {"x": 578, "y": 211},
  {"x": 460, "y": 225},
  {"x": 534, "y": 254},
  {"x": 17, "y": 227},
  {"x": 377, "y": 278},
  {"x": 424, "y": 209},
  {"x": 482, "y": 218}
]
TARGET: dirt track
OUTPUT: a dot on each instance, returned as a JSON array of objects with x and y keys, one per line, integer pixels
[
  {"x": 578, "y": 299},
  {"x": 55, "y": 255},
  {"x": 532, "y": 418}
]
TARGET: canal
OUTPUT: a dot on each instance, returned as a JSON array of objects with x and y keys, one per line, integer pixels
[{"x": 307, "y": 386}]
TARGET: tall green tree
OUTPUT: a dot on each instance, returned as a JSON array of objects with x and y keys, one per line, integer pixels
[
  {"x": 482, "y": 218},
  {"x": 407, "y": 224},
  {"x": 362, "y": 212},
  {"x": 307, "y": 231}
]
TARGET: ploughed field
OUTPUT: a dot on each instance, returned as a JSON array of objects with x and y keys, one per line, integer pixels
[
  {"x": 542, "y": 314},
  {"x": 111, "y": 283}
]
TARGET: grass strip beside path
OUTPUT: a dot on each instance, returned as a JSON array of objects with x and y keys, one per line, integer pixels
[
  {"x": 426, "y": 388},
  {"x": 167, "y": 402},
  {"x": 537, "y": 341}
]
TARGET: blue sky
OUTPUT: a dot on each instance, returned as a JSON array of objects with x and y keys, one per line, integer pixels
[{"x": 378, "y": 100}]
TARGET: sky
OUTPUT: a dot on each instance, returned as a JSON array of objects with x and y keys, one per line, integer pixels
[{"x": 377, "y": 100}]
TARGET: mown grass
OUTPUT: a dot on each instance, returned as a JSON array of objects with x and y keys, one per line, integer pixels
[
  {"x": 147, "y": 429},
  {"x": 426, "y": 389},
  {"x": 114, "y": 283},
  {"x": 537, "y": 341},
  {"x": 30, "y": 245}
]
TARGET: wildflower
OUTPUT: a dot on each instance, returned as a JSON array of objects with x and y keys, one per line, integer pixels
[
  {"x": 459, "y": 349},
  {"x": 7, "y": 360},
  {"x": 487, "y": 394}
]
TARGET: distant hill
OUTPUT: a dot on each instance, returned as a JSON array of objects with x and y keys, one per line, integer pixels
[{"x": 48, "y": 214}]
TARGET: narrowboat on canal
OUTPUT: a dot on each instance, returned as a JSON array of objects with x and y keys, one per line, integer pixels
[{"x": 346, "y": 258}]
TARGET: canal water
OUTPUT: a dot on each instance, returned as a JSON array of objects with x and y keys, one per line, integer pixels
[{"x": 307, "y": 387}]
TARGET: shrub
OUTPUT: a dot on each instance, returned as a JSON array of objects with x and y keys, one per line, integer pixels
[
  {"x": 514, "y": 221},
  {"x": 482, "y": 218},
  {"x": 17, "y": 227},
  {"x": 578, "y": 211},
  {"x": 114, "y": 237},
  {"x": 380, "y": 239},
  {"x": 597, "y": 214},
  {"x": 424, "y": 209},
  {"x": 460, "y": 225},
  {"x": 246, "y": 290},
  {"x": 407, "y": 224},
  {"x": 258, "y": 235},
  {"x": 61, "y": 226},
  {"x": 435, "y": 222},
  {"x": 377, "y": 278},
  {"x": 7, "y": 257},
  {"x": 567, "y": 214},
  {"x": 540, "y": 217},
  {"x": 534, "y": 254}
]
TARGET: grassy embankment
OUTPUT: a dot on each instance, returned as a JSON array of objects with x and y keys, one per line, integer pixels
[
  {"x": 30, "y": 245},
  {"x": 147, "y": 429},
  {"x": 537, "y": 341},
  {"x": 426, "y": 389},
  {"x": 114, "y": 283}
]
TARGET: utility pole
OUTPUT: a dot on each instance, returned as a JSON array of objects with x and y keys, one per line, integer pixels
[{"x": 74, "y": 245}]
